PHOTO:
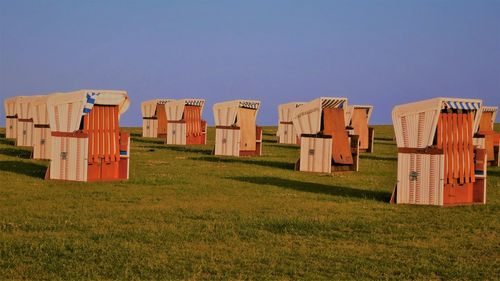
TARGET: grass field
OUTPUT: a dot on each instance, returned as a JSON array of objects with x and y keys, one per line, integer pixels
[{"x": 185, "y": 214}]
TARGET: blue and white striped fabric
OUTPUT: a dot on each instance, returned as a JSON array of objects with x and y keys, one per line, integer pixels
[
  {"x": 249, "y": 104},
  {"x": 332, "y": 103},
  {"x": 462, "y": 105},
  {"x": 90, "y": 102},
  {"x": 195, "y": 102}
]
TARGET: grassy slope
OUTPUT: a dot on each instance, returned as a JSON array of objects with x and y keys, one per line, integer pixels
[{"x": 185, "y": 214}]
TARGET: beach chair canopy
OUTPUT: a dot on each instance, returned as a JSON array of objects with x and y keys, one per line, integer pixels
[
  {"x": 148, "y": 107},
  {"x": 285, "y": 111},
  {"x": 10, "y": 106},
  {"x": 39, "y": 111},
  {"x": 67, "y": 109},
  {"x": 408, "y": 118},
  {"x": 175, "y": 108},
  {"x": 489, "y": 114},
  {"x": 350, "y": 112},
  {"x": 307, "y": 117},
  {"x": 225, "y": 113},
  {"x": 24, "y": 106}
]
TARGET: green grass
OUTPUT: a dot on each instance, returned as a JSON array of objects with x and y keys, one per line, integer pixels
[{"x": 185, "y": 214}]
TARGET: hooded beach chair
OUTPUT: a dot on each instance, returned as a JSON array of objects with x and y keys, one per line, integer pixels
[
  {"x": 87, "y": 144},
  {"x": 236, "y": 132},
  {"x": 491, "y": 137},
  {"x": 154, "y": 120},
  {"x": 10, "y": 118},
  {"x": 325, "y": 145},
  {"x": 41, "y": 128},
  {"x": 286, "y": 132},
  {"x": 184, "y": 123},
  {"x": 25, "y": 127},
  {"x": 438, "y": 164},
  {"x": 358, "y": 119}
]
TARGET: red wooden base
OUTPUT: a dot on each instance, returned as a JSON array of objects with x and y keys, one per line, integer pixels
[
  {"x": 458, "y": 193},
  {"x": 463, "y": 194},
  {"x": 196, "y": 139},
  {"x": 108, "y": 171}
]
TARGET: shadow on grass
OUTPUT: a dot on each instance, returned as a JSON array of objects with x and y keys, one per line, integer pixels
[
  {"x": 181, "y": 148},
  {"x": 16, "y": 152},
  {"x": 3, "y": 140},
  {"x": 147, "y": 140},
  {"x": 7, "y": 141},
  {"x": 385, "y": 138},
  {"x": 285, "y": 146},
  {"x": 135, "y": 135},
  {"x": 494, "y": 173},
  {"x": 317, "y": 188},
  {"x": 23, "y": 168},
  {"x": 380, "y": 158},
  {"x": 384, "y": 143},
  {"x": 272, "y": 164}
]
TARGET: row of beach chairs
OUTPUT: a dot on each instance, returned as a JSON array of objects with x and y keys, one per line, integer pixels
[
  {"x": 444, "y": 144},
  {"x": 77, "y": 131}
]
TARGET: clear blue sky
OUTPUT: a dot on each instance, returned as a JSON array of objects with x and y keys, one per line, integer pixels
[{"x": 372, "y": 52}]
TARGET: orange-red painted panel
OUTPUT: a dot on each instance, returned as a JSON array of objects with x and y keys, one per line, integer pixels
[{"x": 334, "y": 125}]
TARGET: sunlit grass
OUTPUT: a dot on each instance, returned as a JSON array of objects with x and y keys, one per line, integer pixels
[{"x": 186, "y": 214}]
